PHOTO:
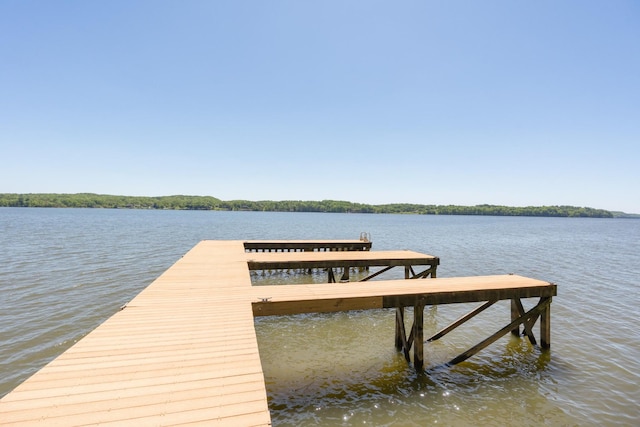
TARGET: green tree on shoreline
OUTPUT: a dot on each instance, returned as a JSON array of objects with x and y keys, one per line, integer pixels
[{"x": 182, "y": 202}]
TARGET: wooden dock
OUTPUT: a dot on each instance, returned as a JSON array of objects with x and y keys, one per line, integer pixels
[
  {"x": 306, "y": 245},
  {"x": 184, "y": 351},
  {"x": 409, "y": 260}
]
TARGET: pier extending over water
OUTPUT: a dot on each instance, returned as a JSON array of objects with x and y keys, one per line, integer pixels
[{"x": 184, "y": 350}]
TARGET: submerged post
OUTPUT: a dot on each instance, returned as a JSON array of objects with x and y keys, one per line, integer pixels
[
  {"x": 545, "y": 327},
  {"x": 515, "y": 313},
  {"x": 400, "y": 317},
  {"x": 418, "y": 336},
  {"x": 399, "y": 327}
]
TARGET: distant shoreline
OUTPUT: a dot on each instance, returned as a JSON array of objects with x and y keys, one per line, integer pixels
[{"x": 183, "y": 202}]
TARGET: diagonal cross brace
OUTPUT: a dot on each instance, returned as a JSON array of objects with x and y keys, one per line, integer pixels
[
  {"x": 462, "y": 320},
  {"x": 416, "y": 337},
  {"x": 542, "y": 305},
  {"x": 528, "y": 323},
  {"x": 431, "y": 271}
]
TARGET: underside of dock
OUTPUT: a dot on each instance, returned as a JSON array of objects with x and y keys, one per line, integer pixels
[{"x": 184, "y": 351}]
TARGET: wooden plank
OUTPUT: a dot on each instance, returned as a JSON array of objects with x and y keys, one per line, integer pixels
[
  {"x": 278, "y": 260},
  {"x": 229, "y": 384},
  {"x": 313, "y": 305},
  {"x": 395, "y": 293}
]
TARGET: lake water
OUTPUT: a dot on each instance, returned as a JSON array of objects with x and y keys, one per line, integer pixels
[{"x": 65, "y": 271}]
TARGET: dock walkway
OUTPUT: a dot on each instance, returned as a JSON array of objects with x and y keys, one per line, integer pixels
[{"x": 184, "y": 350}]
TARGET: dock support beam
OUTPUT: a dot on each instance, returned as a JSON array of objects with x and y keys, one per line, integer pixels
[
  {"x": 545, "y": 326},
  {"x": 514, "y": 315},
  {"x": 345, "y": 274},
  {"x": 462, "y": 320},
  {"x": 415, "y": 338},
  {"x": 418, "y": 336},
  {"x": 527, "y": 319},
  {"x": 400, "y": 334}
]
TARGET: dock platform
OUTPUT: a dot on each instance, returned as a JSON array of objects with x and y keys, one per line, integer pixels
[
  {"x": 307, "y": 245},
  {"x": 184, "y": 351}
]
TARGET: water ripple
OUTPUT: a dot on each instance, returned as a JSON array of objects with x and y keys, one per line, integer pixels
[{"x": 63, "y": 272}]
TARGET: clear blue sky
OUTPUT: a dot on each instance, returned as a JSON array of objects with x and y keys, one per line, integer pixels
[{"x": 431, "y": 102}]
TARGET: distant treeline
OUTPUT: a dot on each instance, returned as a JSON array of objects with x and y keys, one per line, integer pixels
[{"x": 89, "y": 200}]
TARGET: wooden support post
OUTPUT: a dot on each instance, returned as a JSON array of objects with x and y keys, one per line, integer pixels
[
  {"x": 403, "y": 342},
  {"x": 399, "y": 326},
  {"x": 332, "y": 278},
  {"x": 418, "y": 336},
  {"x": 514, "y": 315},
  {"x": 527, "y": 325},
  {"x": 345, "y": 274},
  {"x": 545, "y": 326},
  {"x": 401, "y": 338}
]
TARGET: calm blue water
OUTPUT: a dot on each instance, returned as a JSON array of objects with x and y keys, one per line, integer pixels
[{"x": 64, "y": 271}]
